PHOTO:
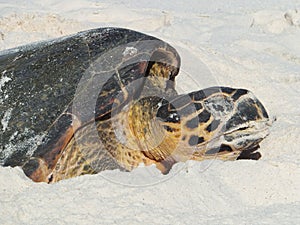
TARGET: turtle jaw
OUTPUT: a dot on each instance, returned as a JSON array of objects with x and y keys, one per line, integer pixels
[
  {"x": 248, "y": 136},
  {"x": 238, "y": 143}
]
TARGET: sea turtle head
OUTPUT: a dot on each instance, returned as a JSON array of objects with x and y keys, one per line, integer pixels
[
  {"x": 217, "y": 121},
  {"x": 245, "y": 126}
]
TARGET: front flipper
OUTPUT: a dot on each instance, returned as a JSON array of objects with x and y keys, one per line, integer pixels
[
  {"x": 166, "y": 165},
  {"x": 44, "y": 159}
]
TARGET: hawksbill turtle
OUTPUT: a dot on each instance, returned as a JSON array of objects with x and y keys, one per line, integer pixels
[{"x": 105, "y": 99}]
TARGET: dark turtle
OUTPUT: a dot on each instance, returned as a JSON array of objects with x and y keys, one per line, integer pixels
[{"x": 105, "y": 99}]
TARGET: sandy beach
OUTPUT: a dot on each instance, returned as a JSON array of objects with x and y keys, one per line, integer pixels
[{"x": 252, "y": 45}]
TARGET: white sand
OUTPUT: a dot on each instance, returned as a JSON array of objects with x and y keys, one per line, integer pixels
[{"x": 253, "y": 45}]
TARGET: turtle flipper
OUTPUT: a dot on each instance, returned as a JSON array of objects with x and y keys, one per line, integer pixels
[
  {"x": 84, "y": 154},
  {"x": 44, "y": 159},
  {"x": 36, "y": 169},
  {"x": 165, "y": 165}
]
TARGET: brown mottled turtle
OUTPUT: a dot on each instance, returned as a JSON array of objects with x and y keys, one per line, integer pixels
[{"x": 105, "y": 99}]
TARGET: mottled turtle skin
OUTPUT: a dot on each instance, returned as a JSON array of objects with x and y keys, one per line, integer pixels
[{"x": 126, "y": 79}]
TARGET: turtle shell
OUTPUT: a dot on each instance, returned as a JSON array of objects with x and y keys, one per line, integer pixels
[{"x": 40, "y": 82}]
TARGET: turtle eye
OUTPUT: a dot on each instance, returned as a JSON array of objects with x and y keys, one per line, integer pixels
[{"x": 167, "y": 112}]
